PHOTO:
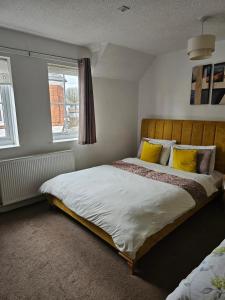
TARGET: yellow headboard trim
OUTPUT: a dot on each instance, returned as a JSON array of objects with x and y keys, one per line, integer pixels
[{"x": 189, "y": 132}]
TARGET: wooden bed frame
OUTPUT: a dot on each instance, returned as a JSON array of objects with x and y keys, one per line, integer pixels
[
  {"x": 185, "y": 132},
  {"x": 149, "y": 243}
]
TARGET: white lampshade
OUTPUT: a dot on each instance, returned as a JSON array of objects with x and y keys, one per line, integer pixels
[{"x": 201, "y": 47}]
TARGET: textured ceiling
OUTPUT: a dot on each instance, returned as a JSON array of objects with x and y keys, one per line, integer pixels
[{"x": 152, "y": 26}]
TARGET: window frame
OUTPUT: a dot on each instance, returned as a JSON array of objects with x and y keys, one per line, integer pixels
[
  {"x": 9, "y": 113},
  {"x": 61, "y": 137}
]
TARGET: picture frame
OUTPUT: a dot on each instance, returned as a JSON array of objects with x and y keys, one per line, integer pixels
[
  {"x": 218, "y": 84},
  {"x": 201, "y": 84}
]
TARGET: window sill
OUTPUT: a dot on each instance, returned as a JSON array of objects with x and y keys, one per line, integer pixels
[
  {"x": 65, "y": 140},
  {"x": 9, "y": 146}
]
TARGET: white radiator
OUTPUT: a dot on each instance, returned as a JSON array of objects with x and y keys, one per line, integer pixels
[{"x": 21, "y": 178}]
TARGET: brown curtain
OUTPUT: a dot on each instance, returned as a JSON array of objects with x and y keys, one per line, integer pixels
[{"x": 87, "y": 129}]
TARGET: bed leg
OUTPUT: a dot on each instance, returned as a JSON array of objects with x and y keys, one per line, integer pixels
[
  {"x": 131, "y": 265},
  {"x": 50, "y": 204}
]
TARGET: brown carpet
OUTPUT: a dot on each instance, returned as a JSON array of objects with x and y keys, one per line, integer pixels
[{"x": 46, "y": 255}]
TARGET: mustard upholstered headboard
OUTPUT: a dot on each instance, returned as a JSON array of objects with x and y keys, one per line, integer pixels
[{"x": 189, "y": 132}]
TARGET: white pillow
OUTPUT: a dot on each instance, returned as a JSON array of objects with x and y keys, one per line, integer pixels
[
  {"x": 165, "y": 153},
  {"x": 212, "y": 159}
]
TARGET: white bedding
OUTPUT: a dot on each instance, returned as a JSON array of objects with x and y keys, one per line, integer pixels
[
  {"x": 207, "y": 281},
  {"x": 128, "y": 207}
]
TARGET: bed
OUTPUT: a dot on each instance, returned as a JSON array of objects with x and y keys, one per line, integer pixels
[
  {"x": 207, "y": 281},
  {"x": 134, "y": 231}
]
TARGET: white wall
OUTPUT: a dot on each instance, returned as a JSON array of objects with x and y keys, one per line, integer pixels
[
  {"x": 116, "y": 62},
  {"x": 115, "y": 102},
  {"x": 164, "y": 90},
  {"x": 17, "y": 39},
  {"x": 116, "y": 121}
]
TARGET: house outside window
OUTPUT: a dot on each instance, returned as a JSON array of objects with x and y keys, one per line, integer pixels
[{"x": 64, "y": 102}]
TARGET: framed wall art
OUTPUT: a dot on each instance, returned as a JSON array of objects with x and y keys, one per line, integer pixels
[
  {"x": 218, "y": 84},
  {"x": 200, "y": 84}
]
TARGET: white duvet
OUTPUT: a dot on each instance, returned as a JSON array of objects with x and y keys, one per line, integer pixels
[{"x": 129, "y": 207}]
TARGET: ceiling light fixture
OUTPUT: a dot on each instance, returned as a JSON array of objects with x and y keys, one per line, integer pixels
[
  {"x": 123, "y": 8},
  {"x": 201, "y": 46}
]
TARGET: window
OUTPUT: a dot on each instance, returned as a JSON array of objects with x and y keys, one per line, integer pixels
[
  {"x": 8, "y": 124},
  {"x": 64, "y": 101}
]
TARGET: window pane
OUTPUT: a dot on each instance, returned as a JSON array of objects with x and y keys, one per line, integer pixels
[
  {"x": 64, "y": 100},
  {"x": 8, "y": 124},
  {"x": 2, "y": 123},
  {"x": 4, "y": 72}
]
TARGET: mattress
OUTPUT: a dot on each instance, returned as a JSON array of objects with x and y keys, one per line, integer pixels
[{"x": 130, "y": 200}]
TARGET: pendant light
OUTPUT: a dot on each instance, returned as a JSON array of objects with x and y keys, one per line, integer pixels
[{"x": 202, "y": 46}]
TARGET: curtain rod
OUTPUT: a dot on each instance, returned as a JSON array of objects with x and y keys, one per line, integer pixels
[{"x": 37, "y": 54}]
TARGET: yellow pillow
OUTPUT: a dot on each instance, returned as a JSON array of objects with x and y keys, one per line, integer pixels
[
  {"x": 185, "y": 160},
  {"x": 151, "y": 152}
]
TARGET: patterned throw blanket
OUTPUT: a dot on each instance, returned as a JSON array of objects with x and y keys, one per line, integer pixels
[{"x": 194, "y": 188}]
